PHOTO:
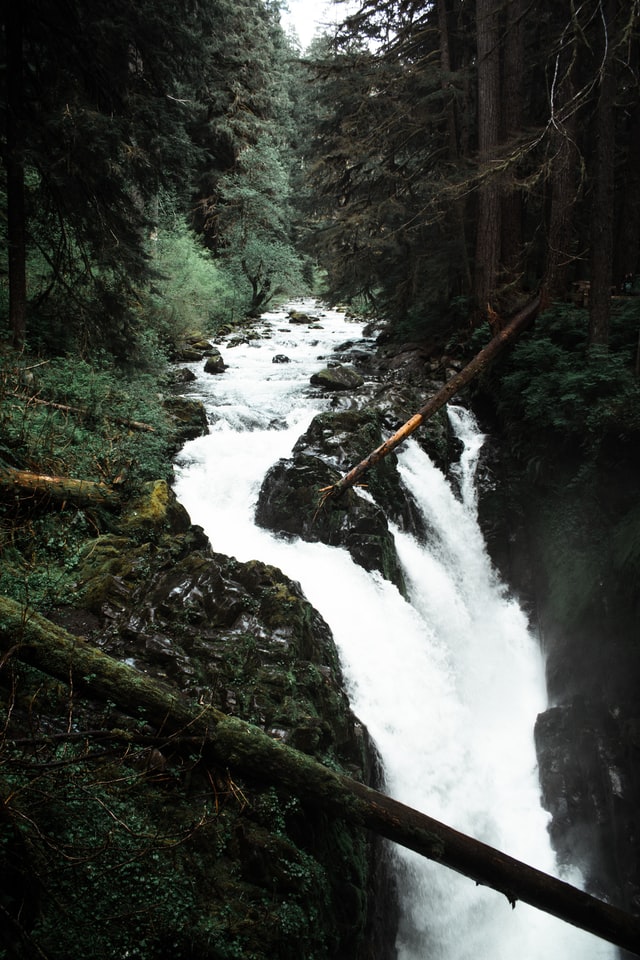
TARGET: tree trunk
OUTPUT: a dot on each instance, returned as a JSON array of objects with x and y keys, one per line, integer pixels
[
  {"x": 452, "y": 138},
  {"x": 512, "y": 109},
  {"x": 80, "y": 492},
  {"x": 481, "y": 360},
  {"x": 488, "y": 226},
  {"x": 565, "y": 163},
  {"x": 248, "y": 749},
  {"x": 16, "y": 233},
  {"x": 602, "y": 208}
]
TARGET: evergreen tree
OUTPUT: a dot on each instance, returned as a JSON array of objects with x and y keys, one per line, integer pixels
[
  {"x": 469, "y": 150},
  {"x": 243, "y": 206},
  {"x": 102, "y": 127}
]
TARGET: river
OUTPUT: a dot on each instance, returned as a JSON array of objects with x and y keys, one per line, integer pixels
[{"x": 448, "y": 683}]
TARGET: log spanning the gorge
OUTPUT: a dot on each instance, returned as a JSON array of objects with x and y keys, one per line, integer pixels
[
  {"x": 481, "y": 360},
  {"x": 245, "y": 748}
]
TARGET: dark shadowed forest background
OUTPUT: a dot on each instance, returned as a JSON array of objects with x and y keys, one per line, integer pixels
[{"x": 170, "y": 170}]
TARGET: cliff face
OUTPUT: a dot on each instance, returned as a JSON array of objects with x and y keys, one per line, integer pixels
[{"x": 563, "y": 530}]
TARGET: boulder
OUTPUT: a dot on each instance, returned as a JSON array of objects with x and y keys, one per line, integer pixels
[
  {"x": 215, "y": 363},
  {"x": 154, "y": 506},
  {"x": 273, "y": 873},
  {"x": 187, "y": 354},
  {"x": 337, "y": 378},
  {"x": 297, "y": 316},
  {"x": 181, "y": 375},
  {"x": 289, "y": 500},
  {"x": 584, "y": 749},
  {"x": 188, "y": 418}
]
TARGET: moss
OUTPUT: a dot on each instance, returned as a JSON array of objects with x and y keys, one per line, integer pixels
[{"x": 153, "y": 507}]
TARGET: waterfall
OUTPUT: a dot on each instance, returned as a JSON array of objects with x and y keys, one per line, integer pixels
[{"x": 448, "y": 682}]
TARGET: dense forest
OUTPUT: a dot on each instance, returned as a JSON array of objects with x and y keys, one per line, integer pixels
[{"x": 171, "y": 170}]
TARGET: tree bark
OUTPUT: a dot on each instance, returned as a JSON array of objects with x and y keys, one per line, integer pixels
[
  {"x": 14, "y": 161},
  {"x": 512, "y": 110},
  {"x": 248, "y": 749},
  {"x": 602, "y": 208},
  {"x": 481, "y": 360},
  {"x": 60, "y": 489},
  {"x": 452, "y": 137},
  {"x": 487, "y": 258},
  {"x": 565, "y": 162}
]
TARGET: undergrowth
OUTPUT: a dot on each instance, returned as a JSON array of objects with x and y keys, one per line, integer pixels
[
  {"x": 554, "y": 384},
  {"x": 65, "y": 417}
]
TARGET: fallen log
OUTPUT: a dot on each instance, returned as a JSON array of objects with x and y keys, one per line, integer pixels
[
  {"x": 81, "y": 412},
  {"x": 80, "y": 492},
  {"x": 480, "y": 362},
  {"x": 238, "y": 745}
]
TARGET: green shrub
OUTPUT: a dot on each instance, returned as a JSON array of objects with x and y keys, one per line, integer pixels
[{"x": 553, "y": 381}]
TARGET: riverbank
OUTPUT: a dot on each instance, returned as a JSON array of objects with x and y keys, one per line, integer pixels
[{"x": 148, "y": 587}]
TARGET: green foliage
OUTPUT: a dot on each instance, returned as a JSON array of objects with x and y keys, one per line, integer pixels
[
  {"x": 255, "y": 220},
  {"x": 93, "y": 437},
  {"x": 93, "y": 441},
  {"x": 191, "y": 293},
  {"x": 116, "y": 859},
  {"x": 554, "y": 382}
]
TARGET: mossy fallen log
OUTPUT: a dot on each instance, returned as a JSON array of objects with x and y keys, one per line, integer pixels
[
  {"x": 505, "y": 335},
  {"x": 80, "y": 492},
  {"x": 245, "y": 748}
]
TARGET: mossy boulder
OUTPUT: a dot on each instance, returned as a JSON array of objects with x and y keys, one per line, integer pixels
[
  {"x": 337, "y": 377},
  {"x": 172, "y": 854},
  {"x": 214, "y": 363},
  {"x": 153, "y": 507},
  {"x": 298, "y": 316},
  {"x": 188, "y": 419}
]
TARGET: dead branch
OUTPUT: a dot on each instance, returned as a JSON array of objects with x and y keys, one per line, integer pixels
[
  {"x": 79, "y": 411},
  {"x": 486, "y": 356}
]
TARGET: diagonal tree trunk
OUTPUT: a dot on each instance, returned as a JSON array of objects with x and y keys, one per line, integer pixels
[
  {"x": 487, "y": 259},
  {"x": 240, "y": 745},
  {"x": 479, "y": 363},
  {"x": 14, "y": 162}
]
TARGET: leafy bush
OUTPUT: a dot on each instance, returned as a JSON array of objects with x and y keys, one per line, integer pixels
[
  {"x": 191, "y": 292},
  {"x": 553, "y": 381},
  {"x": 67, "y": 418}
]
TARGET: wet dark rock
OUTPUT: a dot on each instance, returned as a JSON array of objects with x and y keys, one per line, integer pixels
[
  {"x": 298, "y": 317},
  {"x": 187, "y": 354},
  {"x": 587, "y": 757},
  {"x": 202, "y": 344},
  {"x": 290, "y": 498},
  {"x": 337, "y": 378},
  {"x": 179, "y": 376},
  {"x": 242, "y": 636},
  {"x": 189, "y": 418},
  {"x": 281, "y": 358},
  {"x": 215, "y": 364}
]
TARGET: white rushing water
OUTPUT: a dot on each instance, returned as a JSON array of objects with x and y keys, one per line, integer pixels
[{"x": 448, "y": 684}]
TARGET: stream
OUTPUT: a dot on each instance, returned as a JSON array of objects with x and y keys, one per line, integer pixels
[{"x": 449, "y": 683}]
